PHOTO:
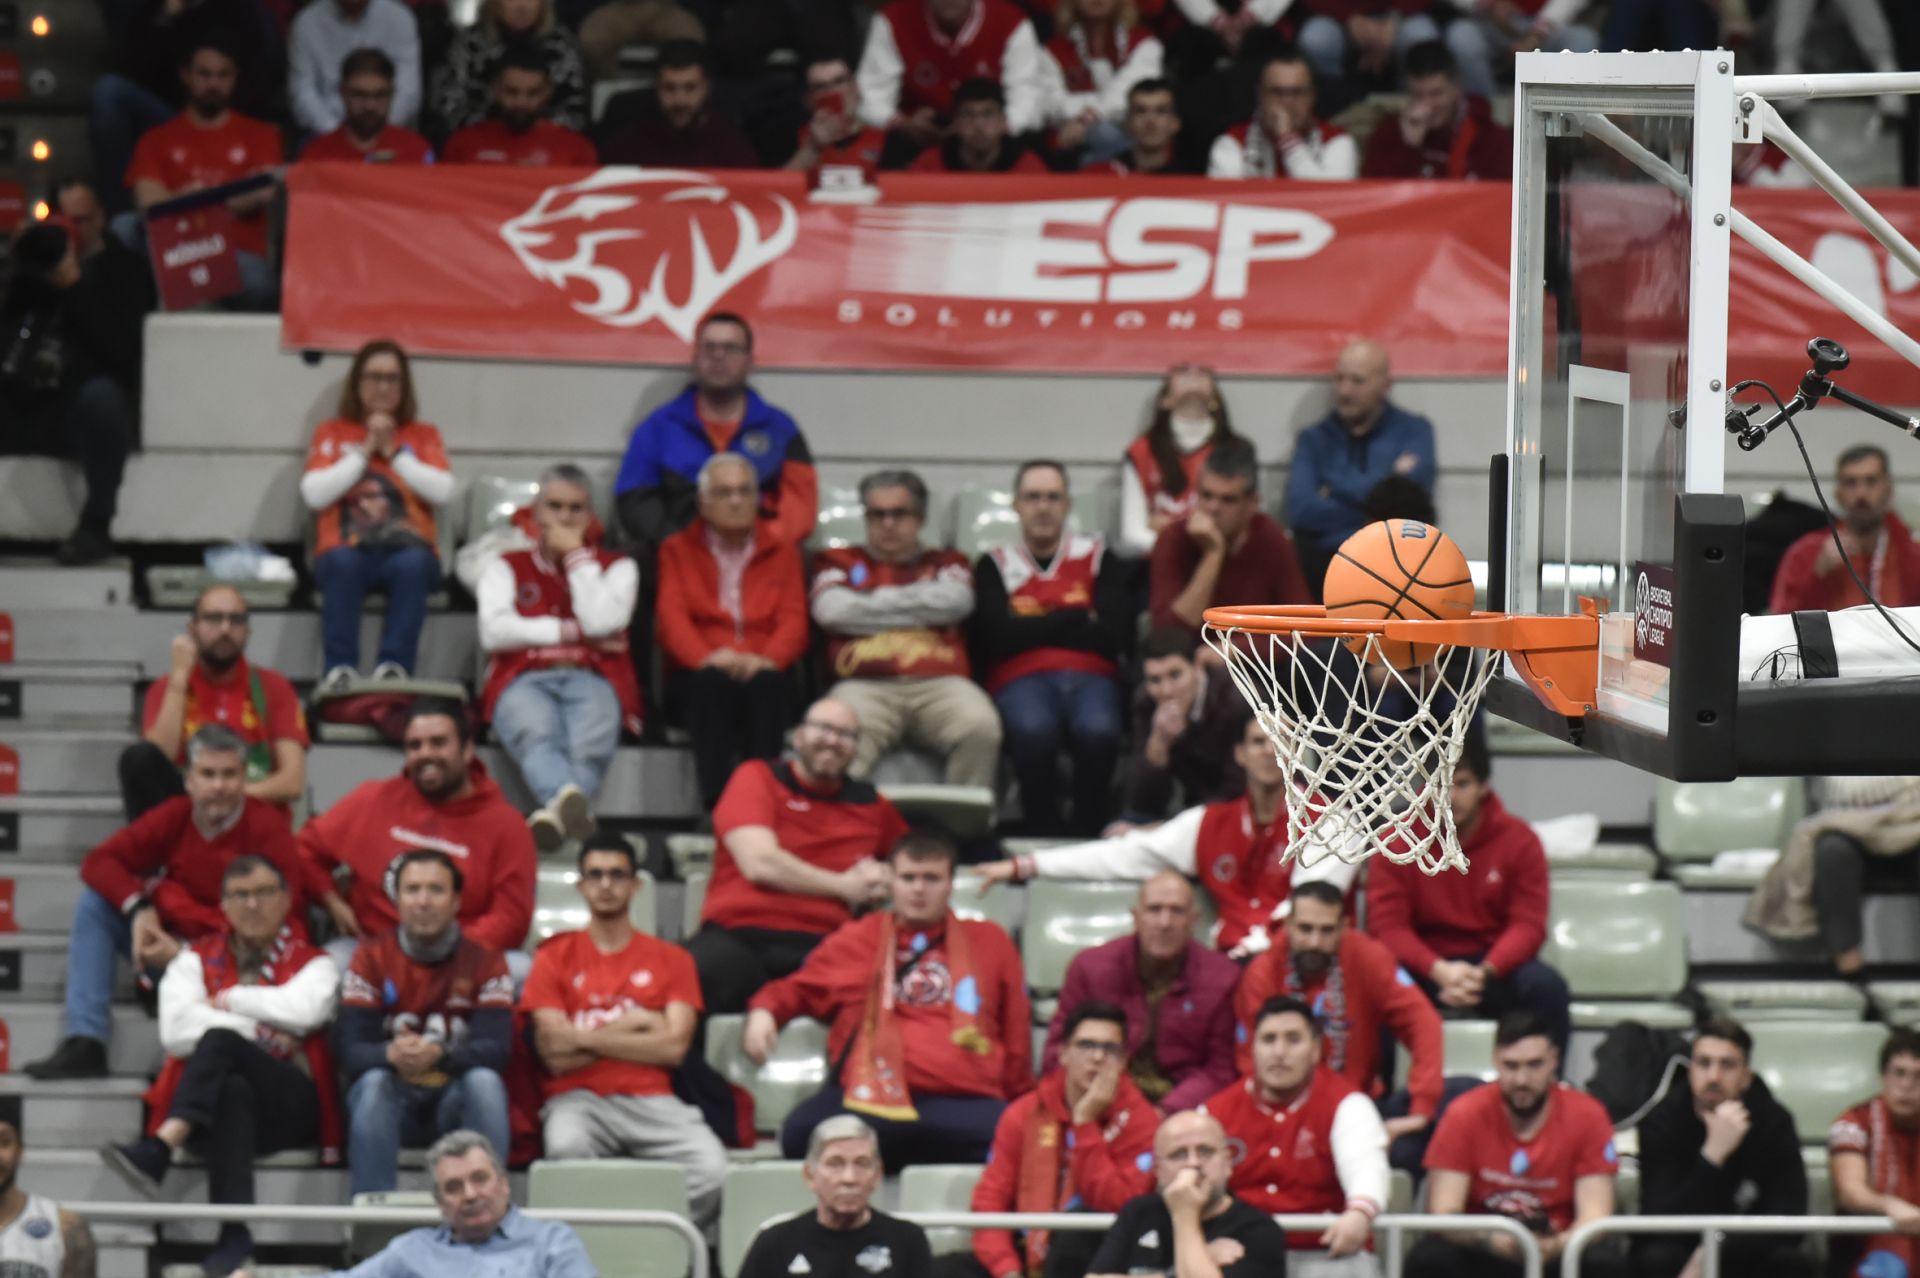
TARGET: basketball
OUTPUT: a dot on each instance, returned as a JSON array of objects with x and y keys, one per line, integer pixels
[{"x": 1399, "y": 568}]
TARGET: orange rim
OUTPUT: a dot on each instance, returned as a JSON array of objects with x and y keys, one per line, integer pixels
[{"x": 1559, "y": 657}]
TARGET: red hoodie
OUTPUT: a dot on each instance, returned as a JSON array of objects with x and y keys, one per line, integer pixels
[
  {"x": 380, "y": 820},
  {"x": 832, "y": 987},
  {"x": 1473, "y": 146},
  {"x": 1496, "y": 911},
  {"x": 164, "y": 856}
]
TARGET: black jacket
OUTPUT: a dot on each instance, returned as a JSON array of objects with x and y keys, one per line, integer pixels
[{"x": 1763, "y": 1177}]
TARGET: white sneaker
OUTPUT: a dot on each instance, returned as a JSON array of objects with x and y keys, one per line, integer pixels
[
  {"x": 574, "y": 810},
  {"x": 336, "y": 681},
  {"x": 390, "y": 670},
  {"x": 548, "y": 837}
]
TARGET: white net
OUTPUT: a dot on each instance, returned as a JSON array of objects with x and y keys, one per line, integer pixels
[{"x": 1368, "y": 750}]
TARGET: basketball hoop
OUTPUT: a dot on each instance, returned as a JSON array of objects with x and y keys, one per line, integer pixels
[{"x": 1368, "y": 750}]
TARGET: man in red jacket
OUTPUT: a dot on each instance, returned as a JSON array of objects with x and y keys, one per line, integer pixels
[
  {"x": 1441, "y": 132},
  {"x": 1080, "y": 1141},
  {"x": 919, "y": 51},
  {"x": 927, "y": 1014},
  {"x": 1879, "y": 546},
  {"x": 1356, "y": 990},
  {"x": 1471, "y": 940},
  {"x": 444, "y": 799},
  {"x": 155, "y": 886}
]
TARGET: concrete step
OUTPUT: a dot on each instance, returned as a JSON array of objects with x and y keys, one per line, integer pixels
[
  {"x": 58, "y": 822},
  {"x": 30, "y": 1030},
  {"x": 69, "y": 755},
  {"x": 33, "y": 965},
  {"x": 644, "y": 781},
  {"x": 30, "y": 584},
  {"x": 36, "y": 897},
  {"x": 82, "y": 1113},
  {"x": 121, "y": 1250},
  {"x": 53, "y": 690},
  {"x": 1715, "y": 933}
]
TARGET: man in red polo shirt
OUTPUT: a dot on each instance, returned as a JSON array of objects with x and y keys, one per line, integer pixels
[
  {"x": 1523, "y": 1146},
  {"x": 1312, "y": 1142},
  {"x": 1228, "y": 551},
  {"x": 798, "y": 846},
  {"x": 834, "y": 137},
  {"x": 365, "y": 136},
  {"x": 920, "y": 51},
  {"x": 209, "y": 681},
  {"x": 519, "y": 132}
]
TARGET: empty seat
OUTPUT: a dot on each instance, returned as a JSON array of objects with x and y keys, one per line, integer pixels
[
  {"x": 1784, "y": 1000},
  {"x": 842, "y": 520},
  {"x": 690, "y": 851},
  {"x": 1466, "y": 1051},
  {"x": 364, "y": 1238},
  {"x": 965, "y": 810},
  {"x": 1819, "y": 1181},
  {"x": 1000, "y": 904},
  {"x": 558, "y": 907},
  {"x": 1065, "y": 916},
  {"x": 1604, "y": 860},
  {"x": 984, "y": 518},
  {"x": 491, "y": 501},
  {"x": 619, "y": 1184},
  {"x": 1621, "y": 940},
  {"x": 1897, "y": 1002},
  {"x": 757, "y": 1194},
  {"x": 1695, "y": 821},
  {"x": 796, "y": 1069},
  {"x": 941, "y": 1187},
  {"x": 693, "y": 897},
  {"x": 1818, "y": 1068}
]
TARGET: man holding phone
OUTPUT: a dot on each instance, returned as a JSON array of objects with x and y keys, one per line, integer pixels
[{"x": 834, "y": 136}]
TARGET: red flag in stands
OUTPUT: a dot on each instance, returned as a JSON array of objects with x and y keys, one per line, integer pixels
[{"x": 194, "y": 260}]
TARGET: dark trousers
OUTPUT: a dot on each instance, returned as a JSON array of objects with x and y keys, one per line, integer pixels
[
  {"x": 950, "y": 1129},
  {"x": 1068, "y": 1255},
  {"x": 1046, "y": 712},
  {"x": 89, "y": 422},
  {"x": 731, "y": 721},
  {"x": 1843, "y": 870},
  {"x": 1408, "y": 1153},
  {"x": 242, "y": 1103},
  {"x": 1664, "y": 1256},
  {"x": 1659, "y": 24},
  {"x": 1532, "y": 987},
  {"x": 118, "y": 112},
  {"x": 148, "y": 778},
  {"x": 734, "y": 962},
  {"x": 1435, "y": 1256},
  {"x": 406, "y": 571}
]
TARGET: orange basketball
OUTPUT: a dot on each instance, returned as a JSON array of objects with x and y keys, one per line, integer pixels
[{"x": 1399, "y": 568}]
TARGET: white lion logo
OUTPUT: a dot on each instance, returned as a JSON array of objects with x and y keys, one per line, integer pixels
[{"x": 622, "y": 225}]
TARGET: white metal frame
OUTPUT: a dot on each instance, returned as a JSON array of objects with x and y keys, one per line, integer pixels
[{"x": 1713, "y": 1230}]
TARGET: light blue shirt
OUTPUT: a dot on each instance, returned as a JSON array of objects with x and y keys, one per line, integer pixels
[
  {"x": 521, "y": 1248},
  {"x": 320, "y": 40}
]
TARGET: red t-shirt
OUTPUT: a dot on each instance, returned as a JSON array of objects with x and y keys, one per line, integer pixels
[
  {"x": 180, "y": 153},
  {"x": 834, "y": 830},
  {"x": 229, "y": 702},
  {"x": 545, "y": 145},
  {"x": 858, "y": 150},
  {"x": 934, "y": 160},
  {"x": 1264, "y": 570},
  {"x": 571, "y": 975},
  {"x": 1527, "y": 1180},
  {"x": 392, "y": 145}
]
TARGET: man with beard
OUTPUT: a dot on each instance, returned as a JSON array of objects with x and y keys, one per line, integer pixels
[
  {"x": 614, "y": 1011},
  {"x": 843, "y": 1234},
  {"x": 519, "y": 132},
  {"x": 426, "y": 1025},
  {"x": 1192, "y": 1226},
  {"x": 1525, "y": 1146},
  {"x": 324, "y": 34},
  {"x": 38, "y": 1237},
  {"x": 1721, "y": 1146},
  {"x": 365, "y": 134},
  {"x": 1313, "y": 1143},
  {"x": 1880, "y": 549},
  {"x": 210, "y": 681},
  {"x": 1356, "y": 990},
  {"x": 155, "y": 886},
  {"x": 1874, "y": 1149},
  {"x": 210, "y": 144},
  {"x": 798, "y": 846},
  {"x": 443, "y": 798},
  {"x": 685, "y": 133}
]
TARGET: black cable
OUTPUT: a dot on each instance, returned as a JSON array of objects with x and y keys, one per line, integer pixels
[{"x": 1833, "y": 529}]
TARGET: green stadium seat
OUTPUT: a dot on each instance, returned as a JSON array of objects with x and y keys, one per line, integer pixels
[
  {"x": 984, "y": 518},
  {"x": 1623, "y": 941},
  {"x": 491, "y": 501},
  {"x": 1626, "y": 1190},
  {"x": 941, "y": 1187},
  {"x": 1604, "y": 861},
  {"x": 179, "y": 586},
  {"x": 619, "y": 1184},
  {"x": 796, "y": 1070},
  {"x": 557, "y": 906},
  {"x": 842, "y": 520},
  {"x": 1819, "y": 1181},
  {"x": 1065, "y": 916},
  {"x": 1897, "y": 1002},
  {"x": 966, "y": 811},
  {"x": 757, "y": 1194},
  {"x": 690, "y": 852},
  {"x": 693, "y": 895},
  {"x": 1466, "y": 1051},
  {"x": 1400, "y": 1192},
  {"x": 364, "y": 1239},
  {"x": 1818, "y": 1068},
  {"x": 1696, "y": 820},
  {"x": 1749, "y": 1001},
  {"x": 1504, "y": 736},
  {"x": 999, "y": 904}
]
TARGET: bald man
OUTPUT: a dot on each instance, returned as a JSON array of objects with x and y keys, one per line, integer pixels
[
  {"x": 799, "y": 845},
  {"x": 1191, "y": 1225},
  {"x": 1338, "y": 459},
  {"x": 1176, "y": 992}
]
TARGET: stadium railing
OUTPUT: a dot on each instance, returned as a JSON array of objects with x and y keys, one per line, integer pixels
[{"x": 1713, "y": 1230}]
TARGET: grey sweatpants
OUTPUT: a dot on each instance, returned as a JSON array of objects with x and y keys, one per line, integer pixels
[{"x": 582, "y": 1124}]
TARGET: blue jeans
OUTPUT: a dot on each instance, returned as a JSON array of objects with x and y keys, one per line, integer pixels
[
  {"x": 559, "y": 726},
  {"x": 1038, "y": 711},
  {"x": 384, "y": 1112},
  {"x": 1480, "y": 49},
  {"x": 1659, "y": 24},
  {"x": 99, "y": 933},
  {"x": 950, "y": 1129},
  {"x": 118, "y": 112},
  {"x": 1532, "y": 987},
  {"x": 406, "y": 572},
  {"x": 1323, "y": 41}
]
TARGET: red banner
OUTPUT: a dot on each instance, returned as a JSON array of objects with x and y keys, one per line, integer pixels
[
  {"x": 1037, "y": 273},
  {"x": 194, "y": 260}
]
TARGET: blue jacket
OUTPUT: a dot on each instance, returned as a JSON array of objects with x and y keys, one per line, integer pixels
[
  {"x": 1332, "y": 472},
  {"x": 655, "y": 488}
]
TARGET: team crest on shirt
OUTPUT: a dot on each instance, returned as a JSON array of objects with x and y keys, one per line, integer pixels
[
  {"x": 237, "y": 154},
  {"x": 1303, "y": 1146},
  {"x": 756, "y": 443},
  {"x": 877, "y": 1259},
  {"x": 929, "y": 984},
  {"x": 527, "y": 594},
  {"x": 38, "y": 1227},
  {"x": 1224, "y": 867},
  {"x": 641, "y": 979}
]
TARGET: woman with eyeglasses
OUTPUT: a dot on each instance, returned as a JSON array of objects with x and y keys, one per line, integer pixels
[
  {"x": 375, "y": 476},
  {"x": 1189, "y": 418}
]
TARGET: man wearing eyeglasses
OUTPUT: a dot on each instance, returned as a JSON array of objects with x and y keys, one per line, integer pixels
[
  {"x": 1080, "y": 1141},
  {"x": 1284, "y": 138},
  {"x": 210, "y": 681},
  {"x": 892, "y": 612},
  {"x": 843, "y": 1234},
  {"x": 1191, "y": 1224},
  {"x": 834, "y": 136},
  {"x": 243, "y": 1016},
  {"x": 614, "y": 1012},
  {"x": 799, "y": 846}
]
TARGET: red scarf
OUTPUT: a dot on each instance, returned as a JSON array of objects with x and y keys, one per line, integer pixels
[
  {"x": 1886, "y": 1174},
  {"x": 1330, "y": 1006},
  {"x": 1046, "y": 1178},
  {"x": 876, "y": 1071}
]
